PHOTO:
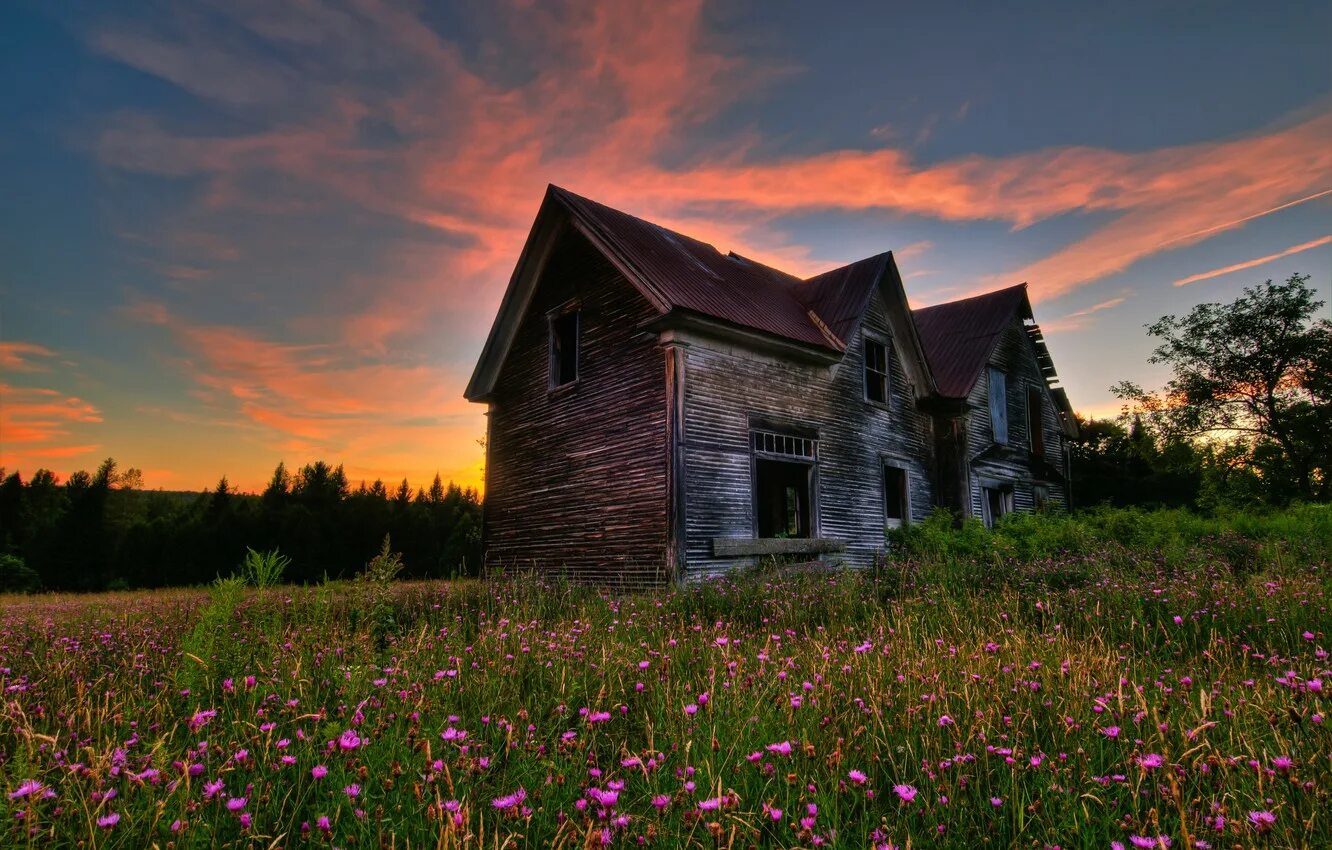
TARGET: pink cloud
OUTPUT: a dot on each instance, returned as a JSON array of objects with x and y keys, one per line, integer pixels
[{"x": 1257, "y": 261}]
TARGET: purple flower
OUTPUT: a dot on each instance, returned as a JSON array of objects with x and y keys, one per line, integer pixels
[
  {"x": 508, "y": 801},
  {"x": 1151, "y": 760},
  {"x": 1147, "y": 842},
  {"x": 1262, "y": 820},
  {"x": 235, "y": 804},
  {"x": 906, "y": 793},
  {"x": 108, "y": 820},
  {"x": 30, "y": 786},
  {"x": 710, "y": 805},
  {"x": 323, "y": 824},
  {"x": 349, "y": 740},
  {"x": 857, "y": 777},
  {"x": 1110, "y": 731},
  {"x": 781, "y": 749},
  {"x": 319, "y": 771},
  {"x": 352, "y": 790}
]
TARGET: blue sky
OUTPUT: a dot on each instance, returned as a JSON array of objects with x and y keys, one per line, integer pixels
[{"x": 246, "y": 232}]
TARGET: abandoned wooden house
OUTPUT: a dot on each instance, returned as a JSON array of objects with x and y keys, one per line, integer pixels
[{"x": 658, "y": 410}]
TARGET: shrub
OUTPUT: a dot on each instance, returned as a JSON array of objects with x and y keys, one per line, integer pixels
[{"x": 16, "y": 576}]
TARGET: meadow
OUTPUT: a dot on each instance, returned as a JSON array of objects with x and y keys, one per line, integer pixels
[{"x": 1115, "y": 679}]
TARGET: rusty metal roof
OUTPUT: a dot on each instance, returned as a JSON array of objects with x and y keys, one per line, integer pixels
[
  {"x": 687, "y": 274},
  {"x": 958, "y": 336}
]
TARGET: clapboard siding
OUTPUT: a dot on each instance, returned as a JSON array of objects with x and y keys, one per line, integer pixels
[
  {"x": 576, "y": 478},
  {"x": 1016, "y": 357},
  {"x": 724, "y": 387}
]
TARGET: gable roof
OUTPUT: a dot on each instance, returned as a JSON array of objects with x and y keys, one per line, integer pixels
[
  {"x": 684, "y": 273},
  {"x": 945, "y": 346},
  {"x": 959, "y": 336}
]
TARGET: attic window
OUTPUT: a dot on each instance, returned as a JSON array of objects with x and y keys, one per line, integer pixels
[
  {"x": 876, "y": 371},
  {"x": 564, "y": 348}
]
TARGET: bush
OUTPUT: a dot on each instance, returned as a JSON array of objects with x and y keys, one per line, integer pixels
[{"x": 16, "y": 576}]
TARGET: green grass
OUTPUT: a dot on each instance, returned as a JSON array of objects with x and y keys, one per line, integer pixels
[{"x": 1199, "y": 638}]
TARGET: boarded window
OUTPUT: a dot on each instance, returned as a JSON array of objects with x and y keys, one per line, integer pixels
[
  {"x": 1035, "y": 422},
  {"x": 999, "y": 406},
  {"x": 564, "y": 349},
  {"x": 876, "y": 371},
  {"x": 895, "y": 511}
]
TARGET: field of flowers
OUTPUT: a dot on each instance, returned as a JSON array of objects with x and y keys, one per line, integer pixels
[{"x": 1136, "y": 703}]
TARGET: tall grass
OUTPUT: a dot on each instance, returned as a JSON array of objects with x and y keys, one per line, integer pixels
[{"x": 964, "y": 695}]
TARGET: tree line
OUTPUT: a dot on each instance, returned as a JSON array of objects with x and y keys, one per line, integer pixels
[
  {"x": 1243, "y": 422},
  {"x": 101, "y": 530}
]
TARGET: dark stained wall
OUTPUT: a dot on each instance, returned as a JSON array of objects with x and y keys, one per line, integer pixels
[
  {"x": 1016, "y": 356},
  {"x": 576, "y": 478},
  {"x": 724, "y": 387}
]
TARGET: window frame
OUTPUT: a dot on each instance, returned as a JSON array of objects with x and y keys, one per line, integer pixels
[
  {"x": 553, "y": 366},
  {"x": 991, "y": 372},
  {"x": 1006, "y": 502},
  {"x": 885, "y": 464},
  {"x": 1036, "y": 429},
  {"x": 884, "y": 378},
  {"x": 807, "y": 455}
]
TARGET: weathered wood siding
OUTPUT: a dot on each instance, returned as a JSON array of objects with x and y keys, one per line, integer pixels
[
  {"x": 724, "y": 387},
  {"x": 1016, "y": 357},
  {"x": 576, "y": 478}
]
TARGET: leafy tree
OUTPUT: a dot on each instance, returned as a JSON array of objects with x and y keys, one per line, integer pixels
[{"x": 1253, "y": 373}]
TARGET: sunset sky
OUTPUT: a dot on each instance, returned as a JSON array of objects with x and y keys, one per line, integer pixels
[{"x": 247, "y": 232}]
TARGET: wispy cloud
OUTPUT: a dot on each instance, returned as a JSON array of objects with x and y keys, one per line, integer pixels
[
  {"x": 363, "y": 107},
  {"x": 41, "y": 422},
  {"x": 1080, "y": 318},
  {"x": 24, "y": 357},
  {"x": 1257, "y": 261}
]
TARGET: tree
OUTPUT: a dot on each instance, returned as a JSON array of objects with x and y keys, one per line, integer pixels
[{"x": 1254, "y": 373}]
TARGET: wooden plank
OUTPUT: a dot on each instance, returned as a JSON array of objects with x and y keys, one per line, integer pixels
[{"x": 726, "y": 547}]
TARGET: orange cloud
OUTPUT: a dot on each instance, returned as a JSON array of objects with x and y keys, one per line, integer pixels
[
  {"x": 37, "y": 424},
  {"x": 1079, "y": 318},
  {"x": 20, "y": 356},
  {"x": 461, "y": 148},
  {"x": 322, "y": 400},
  {"x": 1258, "y": 261}
]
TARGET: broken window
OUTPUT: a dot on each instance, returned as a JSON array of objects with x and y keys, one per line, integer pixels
[
  {"x": 996, "y": 501},
  {"x": 895, "y": 497},
  {"x": 783, "y": 483},
  {"x": 876, "y": 371},
  {"x": 564, "y": 348},
  {"x": 1035, "y": 422},
  {"x": 783, "y": 498},
  {"x": 998, "y": 385}
]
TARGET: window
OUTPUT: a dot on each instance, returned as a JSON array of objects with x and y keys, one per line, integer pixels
[
  {"x": 1035, "y": 422},
  {"x": 782, "y": 498},
  {"x": 896, "y": 500},
  {"x": 784, "y": 483},
  {"x": 564, "y": 349},
  {"x": 1040, "y": 496},
  {"x": 996, "y": 501},
  {"x": 876, "y": 371},
  {"x": 998, "y": 384}
]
